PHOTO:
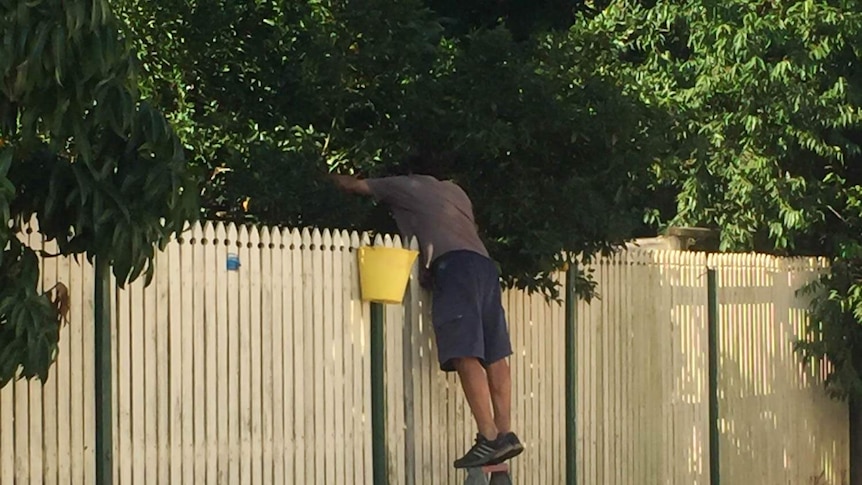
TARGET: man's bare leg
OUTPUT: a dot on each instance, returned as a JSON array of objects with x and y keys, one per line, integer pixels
[
  {"x": 475, "y": 384},
  {"x": 500, "y": 384}
]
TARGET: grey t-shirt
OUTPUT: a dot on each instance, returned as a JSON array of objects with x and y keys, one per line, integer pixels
[{"x": 438, "y": 213}]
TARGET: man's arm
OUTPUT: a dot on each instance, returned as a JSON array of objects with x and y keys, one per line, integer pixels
[{"x": 349, "y": 183}]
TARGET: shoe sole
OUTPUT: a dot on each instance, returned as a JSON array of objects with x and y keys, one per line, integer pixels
[
  {"x": 493, "y": 461},
  {"x": 507, "y": 455}
]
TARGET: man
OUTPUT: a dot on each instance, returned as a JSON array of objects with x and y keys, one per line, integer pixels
[{"x": 467, "y": 313}]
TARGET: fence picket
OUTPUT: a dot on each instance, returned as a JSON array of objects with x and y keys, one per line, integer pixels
[
  {"x": 234, "y": 395},
  {"x": 278, "y": 349},
  {"x": 339, "y": 329},
  {"x": 137, "y": 386},
  {"x": 197, "y": 325},
  {"x": 50, "y": 402},
  {"x": 327, "y": 358},
  {"x": 257, "y": 396},
  {"x": 266, "y": 352},
  {"x": 207, "y": 270}
]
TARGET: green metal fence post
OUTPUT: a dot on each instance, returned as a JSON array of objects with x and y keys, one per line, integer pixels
[
  {"x": 712, "y": 343},
  {"x": 104, "y": 403},
  {"x": 378, "y": 396},
  {"x": 571, "y": 376}
]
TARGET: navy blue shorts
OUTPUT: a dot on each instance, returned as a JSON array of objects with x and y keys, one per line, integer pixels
[{"x": 467, "y": 310}]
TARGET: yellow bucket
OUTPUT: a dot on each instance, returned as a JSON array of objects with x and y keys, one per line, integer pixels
[{"x": 384, "y": 272}]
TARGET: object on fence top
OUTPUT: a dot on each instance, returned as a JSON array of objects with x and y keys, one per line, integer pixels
[
  {"x": 383, "y": 273},
  {"x": 233, "y": 262}
]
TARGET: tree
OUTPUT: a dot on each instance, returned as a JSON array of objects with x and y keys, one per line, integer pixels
[
  {"x": 522, "y": 18},
  {"x": 102, "y": 171},
  {"x": 767, "y": 98}
]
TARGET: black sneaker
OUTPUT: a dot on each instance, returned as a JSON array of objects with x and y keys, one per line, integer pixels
[
  {"x": 511, "y": 444},
  {"x": 483, "y": 452}
]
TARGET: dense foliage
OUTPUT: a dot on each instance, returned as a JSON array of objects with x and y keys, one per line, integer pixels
[{"x": 102, "y": 172}]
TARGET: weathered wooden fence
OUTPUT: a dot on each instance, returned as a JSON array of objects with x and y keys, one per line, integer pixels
[
  {"x": 47, "y": 433},
  {"x": 262, "y": 375}
]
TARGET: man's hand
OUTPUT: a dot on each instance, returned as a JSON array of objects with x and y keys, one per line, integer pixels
[{"x": 349, "y": 183}]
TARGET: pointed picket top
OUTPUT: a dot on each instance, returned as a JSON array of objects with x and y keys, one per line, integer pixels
[
  {"x": 196, "y": 230},
  {"x": 354, "y": 240},
  {"x": 241, "y": 238},
  {"x": 316, "y": 239},
  {"x": 275, "y": 239},
  {"x": 305, "y": 242},
  {"x": 338, "y": 240},
  {"x": 208, "y": 237},
  {"x": 396, "y": 241},
  {"x": 295, "y": 235},
  {"x": 232, "y": 235},
  {"x": 220, "y": 231},
  {"x": 327, "y": 240},
  {"x": 291, "y": 239},
  {"x": 265, "y": 238},
  {"x": 387, "y": 240},
  {"x": 414, "y": 244},
  {"x": 378, "y": 240},
  {"x": 253, "y": 236}
]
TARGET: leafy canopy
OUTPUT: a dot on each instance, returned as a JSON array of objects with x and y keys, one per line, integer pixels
[{"x": 102, "y": 171}]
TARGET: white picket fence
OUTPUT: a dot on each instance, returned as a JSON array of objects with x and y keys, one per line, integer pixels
[
  {"x": 47, "y": 433},
  {"x": 262, "y": 375}
]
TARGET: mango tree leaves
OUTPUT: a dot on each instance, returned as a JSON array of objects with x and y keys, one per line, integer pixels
[{"x": 103, "y": 172}]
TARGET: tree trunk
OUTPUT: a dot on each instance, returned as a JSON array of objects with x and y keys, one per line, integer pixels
[{"x": 856, "y": 441}]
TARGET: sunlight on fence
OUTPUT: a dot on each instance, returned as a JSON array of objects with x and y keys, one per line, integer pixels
[{"x": 261, "y": 375}]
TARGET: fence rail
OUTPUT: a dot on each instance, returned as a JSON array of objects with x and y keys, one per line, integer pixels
[{"x": 261, "y": 375}]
